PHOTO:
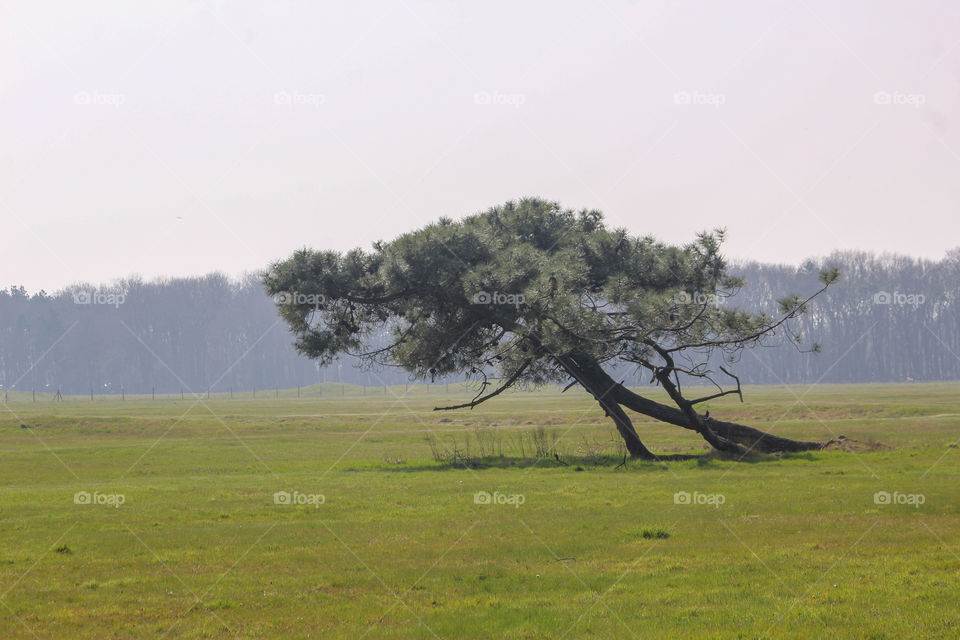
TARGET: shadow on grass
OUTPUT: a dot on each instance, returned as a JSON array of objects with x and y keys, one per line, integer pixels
[{"x": 579, "y": 463}]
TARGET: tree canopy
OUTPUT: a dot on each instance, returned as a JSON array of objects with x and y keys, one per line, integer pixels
[{"x": 530, "y": 292}]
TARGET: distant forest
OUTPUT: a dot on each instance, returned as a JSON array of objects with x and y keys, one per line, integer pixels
[{"x": 889, "y": 319}]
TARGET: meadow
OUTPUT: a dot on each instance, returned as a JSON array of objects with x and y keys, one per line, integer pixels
[{"x": 341, "y": 514}]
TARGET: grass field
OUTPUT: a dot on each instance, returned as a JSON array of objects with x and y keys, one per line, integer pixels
[{"x": 382, "y": 536}]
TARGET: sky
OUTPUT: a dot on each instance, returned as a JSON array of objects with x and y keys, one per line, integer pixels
[{"x": 181, "y": 138}]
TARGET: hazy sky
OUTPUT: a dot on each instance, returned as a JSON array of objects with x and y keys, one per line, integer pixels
[{"x": 186, "y": 137}]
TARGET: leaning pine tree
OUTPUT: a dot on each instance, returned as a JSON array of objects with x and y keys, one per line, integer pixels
[{"x": 531, "y": 293}]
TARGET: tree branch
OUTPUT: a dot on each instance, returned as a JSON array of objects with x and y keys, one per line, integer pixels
[
  {"x": 722, "y": 393},
  {"x": 506, "y": 385}
]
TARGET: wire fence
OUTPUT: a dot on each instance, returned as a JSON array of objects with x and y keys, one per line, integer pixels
[{"x": 314, "y": 391}]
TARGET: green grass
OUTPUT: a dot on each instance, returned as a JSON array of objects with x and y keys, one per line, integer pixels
[{"x": 789, "y": 546}]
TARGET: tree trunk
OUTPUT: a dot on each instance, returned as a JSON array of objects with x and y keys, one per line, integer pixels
[
  {"x": 752, "y": 439},
  {"x": 602, "y": 394},
  {"x": 620, "y": 418},
  {"x": 696, "y": 421}
]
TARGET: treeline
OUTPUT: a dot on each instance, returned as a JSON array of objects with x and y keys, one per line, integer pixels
[
  {"x": 190, "y": 334},
  {"x": 890, "y": 319}
]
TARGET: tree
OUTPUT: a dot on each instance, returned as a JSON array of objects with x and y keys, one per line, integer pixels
[{"x": 531, "y": 293}]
